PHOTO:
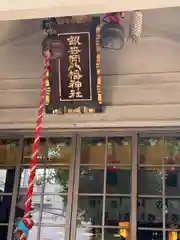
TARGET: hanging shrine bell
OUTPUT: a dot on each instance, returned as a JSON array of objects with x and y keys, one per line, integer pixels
[{"x": 112, "y": 32}]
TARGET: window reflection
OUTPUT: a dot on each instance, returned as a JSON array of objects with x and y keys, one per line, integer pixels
[
  {"x": 9, "y": 152},
  {"x": 3, "y": 173},
  {"x": 172, "y": 213},
  {"x": 56, "y": 179},
  {"x": 54, "y": 209},
  {"x": 116, "y": 233},
  {"x": 158, "y": 151},
  {"x": 55, "y": 233},
  {"x": 118, "y": 180},
  {"x": 89, "y": 211},
  {"x": 27, "y": 151},
  {"x": 172, "y": 183},
  {"x": 117, "y": 209},
  {"x": 59, "y": 150},
  {"x": 93, "y": 151},
  {"x": 173, "y": 151},
  {"x": 20, "y": 204},
  {"x": 150, "y": 212},
  {"x": 149, "y": 235},
  {"x": 89, "y": 233},
  {"x": 53, "y": 180},
  {"x": 37, "y": 194},
  {"x": 39, "y": 180},
  {"x": 32, "y": 234},
  {"x": 91, "y": 180},
  {"x": 119, "y": 150},
  {"x": 152, "y": 151},
  {"x": 7, "y": 177},
  {"x": 150, "y": 181},
  {"x": 48, "y": 208},
  {"x": 173, "y": 234}
]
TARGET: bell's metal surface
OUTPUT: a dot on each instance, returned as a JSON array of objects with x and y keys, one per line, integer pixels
[{"x": 112, "y": 36}]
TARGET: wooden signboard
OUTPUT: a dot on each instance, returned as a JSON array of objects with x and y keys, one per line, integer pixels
[{"x": 74, "y": 81}]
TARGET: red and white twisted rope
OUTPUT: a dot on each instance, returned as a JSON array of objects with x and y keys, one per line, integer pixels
[{"x": 35, "y": 148}]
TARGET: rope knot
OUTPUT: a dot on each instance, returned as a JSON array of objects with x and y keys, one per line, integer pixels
[{"x": 25, "y": 226}]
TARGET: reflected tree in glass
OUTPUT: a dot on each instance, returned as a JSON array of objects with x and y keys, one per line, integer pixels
[
  {"x": 60, "y": 176},
  {"x": 173, "y": 146}
]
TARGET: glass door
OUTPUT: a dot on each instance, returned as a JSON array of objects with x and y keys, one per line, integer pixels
[
  {"x": 159, "y": 195},
  {"x": 52, "y": 196},
  {"x": 85, "y": 188},
  {"x": 102, "y": 188}
]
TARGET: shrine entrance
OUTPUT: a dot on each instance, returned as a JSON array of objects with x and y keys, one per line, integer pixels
[
  {"x": 78, "y": 187},
  {"x": 102, "y": 188},
  {"x": 93, "y": 186}
]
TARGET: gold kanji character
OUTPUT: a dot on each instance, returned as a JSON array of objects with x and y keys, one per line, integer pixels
[
  {"x": 71, "y": 74},
  {"x": 73, "y": 66},
  {"x": 78, "y": 84},
  {"x": 71, "y": 84},
  {"x": 74, "y": 59},
  {"x": 72, "y": 94},
  {"x": 74, "y": 40},
  {"x": 77, "y": 75},
  {"x": 79, "y": 94},
  {"x": 74, "y": 50}
]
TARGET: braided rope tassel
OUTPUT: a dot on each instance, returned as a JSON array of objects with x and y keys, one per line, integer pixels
[
  {"x": 135, "y": 28},
  {"x": 26, "y": 224}
]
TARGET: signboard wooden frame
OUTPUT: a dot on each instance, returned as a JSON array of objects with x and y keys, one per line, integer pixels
[{"x": 74, "y": 81}]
